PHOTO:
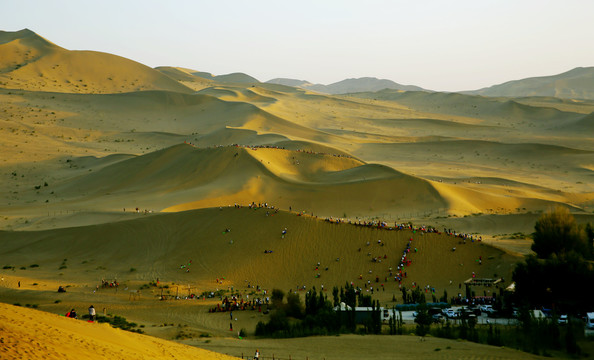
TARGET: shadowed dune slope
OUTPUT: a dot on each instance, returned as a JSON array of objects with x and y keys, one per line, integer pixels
[
  {"x": 586, "y": 124},
  {"x": 33, "y": 334},
  {"x": 29, "y": 62},
  {"x": 156, "y": 246}
]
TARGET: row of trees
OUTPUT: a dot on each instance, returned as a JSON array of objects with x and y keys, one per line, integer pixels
[{"x": 291, "y": 319}]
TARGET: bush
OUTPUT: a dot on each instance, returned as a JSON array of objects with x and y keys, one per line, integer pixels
[{"x": 117, "y": 322}]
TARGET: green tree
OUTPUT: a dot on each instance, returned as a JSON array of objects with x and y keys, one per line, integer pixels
[
  {"x": 558, "y": 276},
  {"x": 335, "y": 296},
  {"x": 423, "y": 320},
  {"x": 294, "y": 307},
  {"x": 590, "y": 239},
  {"x": 557, "y": 232},
  {"x": 277, "y": 298}
]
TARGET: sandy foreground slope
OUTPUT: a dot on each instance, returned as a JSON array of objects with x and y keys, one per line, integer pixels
[{"x": 31, "y": 334}]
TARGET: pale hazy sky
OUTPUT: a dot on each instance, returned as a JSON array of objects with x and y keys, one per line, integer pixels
[{"x": 439, "y": 45}]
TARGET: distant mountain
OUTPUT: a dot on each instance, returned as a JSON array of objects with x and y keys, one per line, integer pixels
[
  {"x": 30, "y": 62},
  {"x": 574, "y": 84},
  {"x": 347, "y": 86}
]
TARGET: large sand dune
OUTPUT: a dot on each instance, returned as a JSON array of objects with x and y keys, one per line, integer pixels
[
  {"x": 28, "y": 61},
  {"x": 228, "y": 244},
  {"x": 183, "y": 177}
]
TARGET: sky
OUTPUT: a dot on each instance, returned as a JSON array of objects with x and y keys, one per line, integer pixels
[{"x": 436, "y": 44}]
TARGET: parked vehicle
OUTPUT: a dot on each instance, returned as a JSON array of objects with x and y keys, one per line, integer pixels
[
  {"x": 486, "y": 308},
  {"x": 590, "y": 320},
  {"x": 466, "y": 313},
  {"x": 562, "y": 320},
  {"x": 451, "y": 314},
  {"x": 475, "y": 310}
]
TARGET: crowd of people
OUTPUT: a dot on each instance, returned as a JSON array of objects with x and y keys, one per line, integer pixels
[
  {"x": 237, "y": 302},
  {"x": 275, "y": 147}
]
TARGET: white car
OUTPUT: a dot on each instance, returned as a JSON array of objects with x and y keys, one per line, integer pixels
[
  {"x": 562, "y": 319},
  {"x": 450, "y": 313},
  {"x": 486, "y": 308}
]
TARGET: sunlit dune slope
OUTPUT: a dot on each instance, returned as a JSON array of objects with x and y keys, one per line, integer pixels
[
  {"x": 33, "y": 334},
  {"x": 27, "y": 61},
  {"x": 184, "y": 177},
  {"x": 231, "y": 93},
  {"x": 230, "y": 243}
]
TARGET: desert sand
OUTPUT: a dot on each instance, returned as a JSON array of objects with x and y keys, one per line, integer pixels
[
  {"x": 114, "y": 170},
  {"x": 32, "y": 334}
]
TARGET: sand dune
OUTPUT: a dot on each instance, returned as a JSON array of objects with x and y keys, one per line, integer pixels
[
  {"x": 526, "y": 163},
  {"x": 156, "y": 246},
  {"x": 435, "y": 136},
  {"x": 27, "y": 61},
  {"x": 223, "y": 176},
  {"x": 185, "y": 77},
  {"x": 28, "y": 334},
  {"x": 492, "y": 111}
]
